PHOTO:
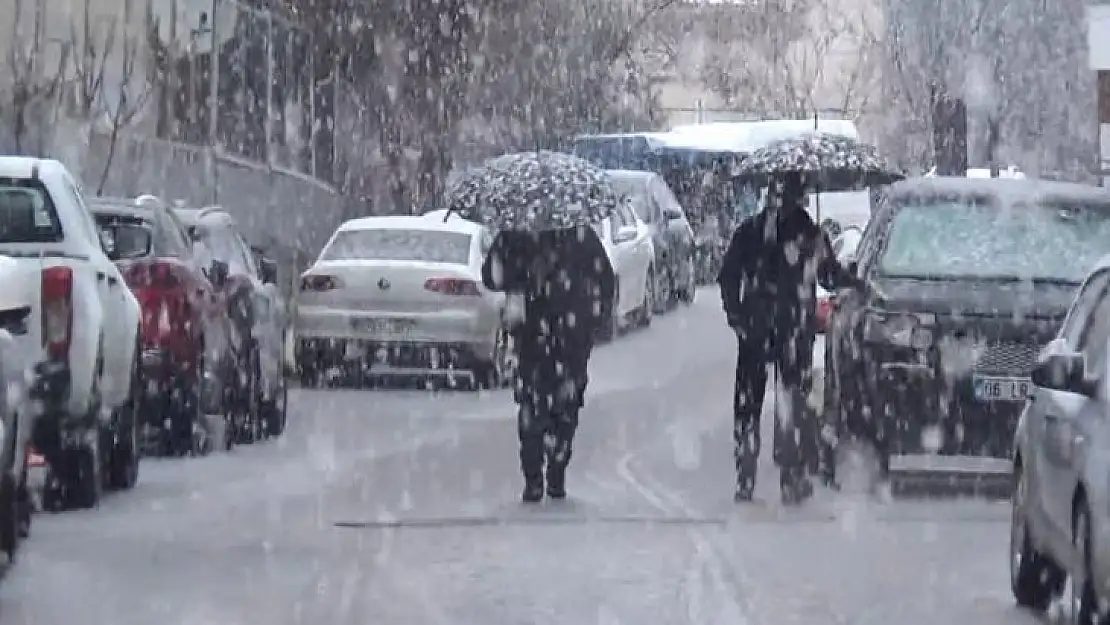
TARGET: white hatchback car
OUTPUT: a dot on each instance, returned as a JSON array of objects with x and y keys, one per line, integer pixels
[{"x": 403, "y": 295}]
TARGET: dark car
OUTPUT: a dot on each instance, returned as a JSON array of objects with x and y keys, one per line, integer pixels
[
  {"x": 974, "y": 276},
  {"x": 255, "y": 376},
  {"x": 181, "y": 319},
  {"x": 670, "y": 232}
]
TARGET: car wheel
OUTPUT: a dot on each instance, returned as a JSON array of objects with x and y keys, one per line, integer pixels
[
  {"x": 1084, "y": 608},
  {"x": 275, "y": 411},
  {"x": 498, "y": 371},
  {"x": 251, "y": 417},
  {"x": 125, "y": 451},
  {"x": 9, "y": 516},
  {"x": 611, "y": 327},
  {"x": 651, "y": 299},
  {"x": 687, "y": 292},
  {"x": 85, "y": 483},
  {"x": 663, "y": 291},
  {"x": 1034, "y": 579}
]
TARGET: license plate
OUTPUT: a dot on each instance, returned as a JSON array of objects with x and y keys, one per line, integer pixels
[
  {"x": 382, "y": 326},
  {"x": 1001, "y": 389}
]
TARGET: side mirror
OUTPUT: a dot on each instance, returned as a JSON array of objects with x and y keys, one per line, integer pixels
[
  {"x": 625, "y": 234},
  {"x": 1063, "y": 371},
  {"x": 219, "y": 273},
  {"x": 671, "y": 214},
  {"x": 269, "y": 270}
]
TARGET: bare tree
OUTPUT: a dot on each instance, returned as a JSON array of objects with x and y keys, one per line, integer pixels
[
  {"x": 109, "y": 88},
  {"x": 31, "y": 84},
  {"x": 1018, "y": 66},
  {"x": 790, "y": 59}
]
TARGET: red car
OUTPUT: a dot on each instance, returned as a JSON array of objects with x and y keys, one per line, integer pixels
[{"x": 181, "y": 319}]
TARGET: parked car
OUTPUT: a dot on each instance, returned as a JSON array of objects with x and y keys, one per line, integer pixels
[
  {"x": 671, "y": 235},
  {"x": 87, "y": 322},
  {"x": 1060, "y": 517},
  {"x": 181, "y": 320},
  {"x": 628, "y": 243},
  {"x": 255, "y": 384},
  {"x": 19, "y": 352},
  {"x": 976, "y": 276},
  {"x": 844, "y": 247},
  {"x": 404, "y": 295}
]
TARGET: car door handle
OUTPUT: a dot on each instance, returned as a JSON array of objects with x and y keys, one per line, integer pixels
[
  {"x": 1048, "y": 416},
  {"x": 112, "y": 281}
]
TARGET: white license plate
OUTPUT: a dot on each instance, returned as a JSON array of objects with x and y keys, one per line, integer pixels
[
  {"x": 1001, "y": 389},
  {"x": 382, "y": 326}
]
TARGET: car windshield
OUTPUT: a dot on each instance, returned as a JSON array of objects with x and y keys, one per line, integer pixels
[
  {"x": 637, "y": 191},
  {"x": 982, "y": 238},
  {"x": 433, "y": 246},
  {"x": 27, "y": 214}
]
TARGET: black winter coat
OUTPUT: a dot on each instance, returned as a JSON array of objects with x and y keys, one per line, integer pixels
[
  {"x": 568, "y": 285},
  {"x": 768, "y": 275}
]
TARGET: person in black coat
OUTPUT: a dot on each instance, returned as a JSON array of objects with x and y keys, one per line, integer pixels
[
  {"x": 566, "y": 282},
  {"x": 767, "y": 282}
]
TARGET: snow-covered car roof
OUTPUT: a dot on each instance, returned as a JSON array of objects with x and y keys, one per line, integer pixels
[
  {"x": 405, "y": 222},
  {"x": 1017, "y": 188}
]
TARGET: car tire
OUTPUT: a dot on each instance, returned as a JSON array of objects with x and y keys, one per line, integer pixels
[
  {"x": 1035, "y": 580},
  {"x": 610, "y": 328},
  {"x": 686, "y": 293},
  {"x": 651, "y": 299},
  {"x": 663, "y": 291},
  {"x": 1084, "y": 605},
  {"x": 10, "y": 512},
  {"x": 86, "y": 480},
  {"x": 495, "y": 372},
  {"x": 125, "y": 450},
  {"x": 275, "y": 412}
]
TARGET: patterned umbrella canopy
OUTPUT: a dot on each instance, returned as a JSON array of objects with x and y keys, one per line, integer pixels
[
  {"x": 831, "y": 159},
  {"x": 534, "y": 191}
]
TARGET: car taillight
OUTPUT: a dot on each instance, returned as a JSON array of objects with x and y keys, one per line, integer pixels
[
  {"x": 153, "y": 275},
  {"x": 34, "y": 458},
  {"x": 318, "y": 283},
  {"x": 452, "y": 286},
  {"x": 57, "y": 310}
]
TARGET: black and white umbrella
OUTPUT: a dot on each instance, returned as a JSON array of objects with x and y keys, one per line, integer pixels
[
  {"x": 534, "y": 191},
  {"x": 833, "y": 162}
]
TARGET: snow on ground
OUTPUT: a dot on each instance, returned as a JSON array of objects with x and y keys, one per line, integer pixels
[{"x": 402, "y": 507}]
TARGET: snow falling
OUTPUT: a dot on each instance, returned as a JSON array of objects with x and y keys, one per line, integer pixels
[{"x": 755, "y": 312}]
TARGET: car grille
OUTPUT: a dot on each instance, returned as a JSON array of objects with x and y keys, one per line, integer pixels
[{"x": 1007, "y": 359}]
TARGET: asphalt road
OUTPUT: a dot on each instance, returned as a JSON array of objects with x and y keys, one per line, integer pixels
[{"x": 402, "y": 507}]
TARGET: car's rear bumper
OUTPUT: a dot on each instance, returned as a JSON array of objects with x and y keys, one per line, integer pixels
[
  {"x": 925, "y": 411},
  {"x": 475, "y": 329},
  {"x": 393, "y": 357}
]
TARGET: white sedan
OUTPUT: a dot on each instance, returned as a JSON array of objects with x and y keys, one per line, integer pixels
[
  {"x": 403, "y": 295},
  {"x": 627, "y": 241}
]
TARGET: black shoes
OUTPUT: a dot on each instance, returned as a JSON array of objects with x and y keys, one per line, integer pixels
[
  {"x": 556, "y": 485},
  {"x": 556, "y": 481},
  {"x": 795, "y": 487},
  {"x": 533, "y": 493}
]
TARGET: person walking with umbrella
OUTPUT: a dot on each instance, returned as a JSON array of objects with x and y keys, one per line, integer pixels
[
  {"x": 767, "y": 284},
  {"x": 560, "y": 285}
]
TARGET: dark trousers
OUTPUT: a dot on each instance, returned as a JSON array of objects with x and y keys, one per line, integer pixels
[
  {"x": 795, "y": 444},
  {"x": 546, "y": 433},
  {"x": 547, "y": 419}
]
